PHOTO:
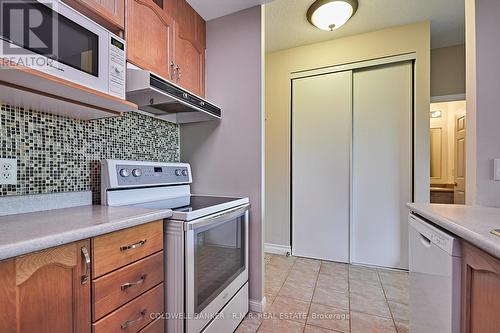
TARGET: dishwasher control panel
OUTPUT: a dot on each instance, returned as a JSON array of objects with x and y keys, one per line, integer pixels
[{"x": 433, "y": 234}]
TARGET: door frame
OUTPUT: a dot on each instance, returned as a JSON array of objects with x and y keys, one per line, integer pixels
[{"x": 412, "y": 56}]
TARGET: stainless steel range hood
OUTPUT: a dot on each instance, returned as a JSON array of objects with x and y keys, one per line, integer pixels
[{"x": 167, "y": 101}]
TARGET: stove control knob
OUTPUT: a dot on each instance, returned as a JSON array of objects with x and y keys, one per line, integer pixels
[
  {"x": 178, "y": 172},
  {"x": 125, "y": 172},
  {"x": 137, "y": 172},
  {"x": 184, "y": 172}
]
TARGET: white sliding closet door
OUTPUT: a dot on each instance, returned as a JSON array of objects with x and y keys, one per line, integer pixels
[
  {"x": 321, "y": 133},
  {"x": 382, "y": 164}
]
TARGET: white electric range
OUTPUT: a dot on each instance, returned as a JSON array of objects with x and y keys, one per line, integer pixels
[{"x": 206, "y": 243}]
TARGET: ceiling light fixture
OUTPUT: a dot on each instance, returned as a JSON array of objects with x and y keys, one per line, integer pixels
[{"x": 331, "y": 14}]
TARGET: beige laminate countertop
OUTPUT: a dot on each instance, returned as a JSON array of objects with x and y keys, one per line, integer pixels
[
  {"x": 471, "y": 223},
  {"x": 25, "y": 233}
]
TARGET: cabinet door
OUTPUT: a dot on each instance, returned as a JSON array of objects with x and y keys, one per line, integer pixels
[
  {"x": 480, "y": 290},
  {"x": 43, "y": 292},
  {"x": 190, "y": 47},
  {"x": 149, "y": 35},
  {"x": 109, "y": 13}
]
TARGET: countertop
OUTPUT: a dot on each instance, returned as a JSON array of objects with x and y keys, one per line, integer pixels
[
  {"x": 441, "y": 189},
  {"x": 471, "y": 223},
  {"x": 25, "y": 233}
]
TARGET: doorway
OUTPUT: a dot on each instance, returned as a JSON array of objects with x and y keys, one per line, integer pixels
[{"x": 447, "y": 152}]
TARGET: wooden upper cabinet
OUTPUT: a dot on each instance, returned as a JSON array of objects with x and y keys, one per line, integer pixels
[
  {"x": 190, "y": 45},
  {"x": 167, "y": 37},
  {"x": 480, "y": 290},
  {"x": 108, "y": 13},
  {"x": 149, "y": 35},
  {"x": 43, "y": 292}
]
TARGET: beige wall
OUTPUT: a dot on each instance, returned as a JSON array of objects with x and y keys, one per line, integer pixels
[
  {"x": 448, "y": 70},
  {"x": 227, "y": 156},
  {"x": 279, "y": 65}
]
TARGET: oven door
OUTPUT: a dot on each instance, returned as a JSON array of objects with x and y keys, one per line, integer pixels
[
  {"x": 61, "y": 42},
  {"x": 216, "y": 264}
]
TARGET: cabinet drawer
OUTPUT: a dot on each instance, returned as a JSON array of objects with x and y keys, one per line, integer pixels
[
  {"x": 133, "y": 316},
  {"x": 156, "y": 326},
  {"x": 117, "y": 288},
  {"x": 120, "y": 248}
]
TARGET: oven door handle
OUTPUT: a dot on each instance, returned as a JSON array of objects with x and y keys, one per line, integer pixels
[{"x": 214, "y": 220}]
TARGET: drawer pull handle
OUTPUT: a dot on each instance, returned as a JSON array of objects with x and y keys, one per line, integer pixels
[
  {"x": 86, "y": 258},
  {"x": 127, "y": 285},
  {"x": 133, "y": 246},
  {"x": 128, "y": 323}
]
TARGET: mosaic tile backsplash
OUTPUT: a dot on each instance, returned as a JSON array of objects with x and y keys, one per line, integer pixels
[{"x": 59, "y": 154}]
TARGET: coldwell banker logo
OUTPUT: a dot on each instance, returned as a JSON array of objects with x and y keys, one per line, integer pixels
[{"x": 28, "y": 35}]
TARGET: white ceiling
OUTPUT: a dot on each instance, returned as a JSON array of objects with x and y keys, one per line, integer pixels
[
  {"x": 211, "y": 9},
  {"x": 287, "y": 26}
]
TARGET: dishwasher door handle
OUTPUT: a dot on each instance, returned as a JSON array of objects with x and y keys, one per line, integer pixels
[{"x": 426, "y": 241}]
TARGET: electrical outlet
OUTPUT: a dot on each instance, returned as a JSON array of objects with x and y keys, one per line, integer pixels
[{"x": 8, "y": 171}]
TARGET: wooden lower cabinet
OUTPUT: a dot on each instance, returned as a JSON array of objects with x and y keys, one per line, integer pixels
[
  {"x": 480, "y": 291},
  {"x": 54, "y": 290},
  {"x": 43, "y": 292},
  {"x": 120, "y": 248},
  {"x": 127, "y": 288},
  {"x": 121, "y": 286},
  {"x": 157, "y": 326}
]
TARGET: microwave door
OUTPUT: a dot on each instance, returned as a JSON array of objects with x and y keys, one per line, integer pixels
[{"x": 64, "y": 44}]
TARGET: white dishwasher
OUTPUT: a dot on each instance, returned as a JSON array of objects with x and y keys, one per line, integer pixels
[{"x": 435, "y": 270}]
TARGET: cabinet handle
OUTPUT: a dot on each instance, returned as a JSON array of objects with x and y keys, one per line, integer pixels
[
  {"x": 179, "y": 73},
  {"x": 172, "y": 70},
  {"x": 127, "y": 324},
  {"x": 127, "y": 285},
  {"x": 133, "y": 246},
  {"x": 86, "y": 258}
]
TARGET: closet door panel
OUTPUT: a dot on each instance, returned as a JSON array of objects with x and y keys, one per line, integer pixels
[
  {"x": 321, "y": 133},
  {"x": 382, "y": 165}
]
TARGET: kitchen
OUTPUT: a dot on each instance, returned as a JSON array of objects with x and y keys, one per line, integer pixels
[{"x": 147, "y": 172}]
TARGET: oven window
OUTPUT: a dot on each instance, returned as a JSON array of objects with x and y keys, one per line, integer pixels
[
  {"x": 219, "y": 259},
  {"x": 36, "y": 27}
]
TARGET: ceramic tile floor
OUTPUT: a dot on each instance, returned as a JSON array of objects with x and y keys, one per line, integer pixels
[{"x": 313, "y": 296}]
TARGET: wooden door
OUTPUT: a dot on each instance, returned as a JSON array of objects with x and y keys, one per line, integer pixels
[
  {"x": 149, "y": 34},
  {"x": 381, "y": 164},
  {"x": 459, "y": 190},
  {"x": 190, "y": 47},
  {"x": 43, "y": 292},
  {"x": 321, "y": 132},
  {"x": 109, "y": 13},
  {"x": 480, "y": 290}
]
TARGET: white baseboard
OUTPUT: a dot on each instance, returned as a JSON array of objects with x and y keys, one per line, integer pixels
[
  {"x": 256, "y": 305},
  {"x": 277, "y": 249}
]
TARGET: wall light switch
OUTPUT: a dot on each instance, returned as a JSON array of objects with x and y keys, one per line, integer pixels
[
  {"x": 496, "y": 169},
  {"x": 8, "y": 171}
]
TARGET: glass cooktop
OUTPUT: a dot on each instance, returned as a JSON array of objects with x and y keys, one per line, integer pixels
[
  {"x": 195, "y": 206},
  {"x": 197, "y": 202}
]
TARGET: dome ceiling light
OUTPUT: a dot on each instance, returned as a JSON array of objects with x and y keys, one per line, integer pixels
[{"x": 331, "y": 14}]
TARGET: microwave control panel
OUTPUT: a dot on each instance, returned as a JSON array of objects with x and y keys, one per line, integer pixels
[{"x": 117, "y": 69}]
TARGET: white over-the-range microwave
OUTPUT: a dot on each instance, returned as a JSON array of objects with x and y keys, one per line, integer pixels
[{"x": 51, "y": 37}]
